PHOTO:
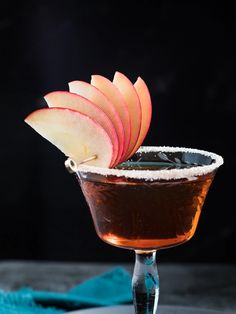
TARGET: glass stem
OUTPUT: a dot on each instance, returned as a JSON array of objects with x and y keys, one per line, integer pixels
[{"x": 145, "y": 283}]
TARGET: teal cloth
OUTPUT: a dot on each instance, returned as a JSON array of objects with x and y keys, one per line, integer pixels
[{"x": 110, "y": 288}]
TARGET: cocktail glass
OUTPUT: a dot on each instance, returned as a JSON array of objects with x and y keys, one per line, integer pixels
[{"x": 148, "y": 203}]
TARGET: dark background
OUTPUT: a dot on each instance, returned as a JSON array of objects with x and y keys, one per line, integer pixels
[{"x": 185, "y": 52}]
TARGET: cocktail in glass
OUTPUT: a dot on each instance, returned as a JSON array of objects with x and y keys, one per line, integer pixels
[{"x": 148, "y": 203}]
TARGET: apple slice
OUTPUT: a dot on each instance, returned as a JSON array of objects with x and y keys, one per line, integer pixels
[
  {"x": 64, "y": 99},
  {"x": 98, "y": 98},
  {"x": 114, "y": 95},
  {"x": 75, "y": 134},
  {"x": 131, "y": 97},
  {"x": 146, "y": 107}
]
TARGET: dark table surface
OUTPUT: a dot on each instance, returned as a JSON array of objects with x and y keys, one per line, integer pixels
[{"x": 209, "y": 286}]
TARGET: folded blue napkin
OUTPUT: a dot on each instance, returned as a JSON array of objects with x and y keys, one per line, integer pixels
[{"x": 110, "y": 288}]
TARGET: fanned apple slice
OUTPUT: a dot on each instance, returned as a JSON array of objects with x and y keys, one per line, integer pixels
[
  {"x": 130, "y": 95},
  {"x": 64, "y": 99},
  {"x": 97, "y": 97},
  {"x": 114, "y": 95},
  {"x": 75, "y": 134},
  {"x": 146, "y": 107}
]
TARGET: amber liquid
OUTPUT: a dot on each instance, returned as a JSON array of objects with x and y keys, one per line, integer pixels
[{"x": 144, "y": 215}]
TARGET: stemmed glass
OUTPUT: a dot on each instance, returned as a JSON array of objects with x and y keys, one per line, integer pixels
[{"x": 148, "y": 203}]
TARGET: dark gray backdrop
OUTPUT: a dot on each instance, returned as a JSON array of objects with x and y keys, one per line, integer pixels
[{"x": 185, "y": 52}]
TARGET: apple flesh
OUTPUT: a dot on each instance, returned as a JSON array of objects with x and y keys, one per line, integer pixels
[
  {"x": 75, "y": 134},
  {"x": 114, "y": 95},
  {"x": 146, "y": 108},
  {"x": 72, "y": 101},
  {"x": 130, "y": 95},
  {"x": 98, "y": 98}
]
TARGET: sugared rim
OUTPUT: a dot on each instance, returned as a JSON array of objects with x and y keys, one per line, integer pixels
[{"x": 166, "y": 174}]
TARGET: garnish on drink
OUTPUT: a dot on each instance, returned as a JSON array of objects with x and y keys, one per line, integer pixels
[
  {"x": 140, "y": 198},
  {"x": 105, "y": 119}
]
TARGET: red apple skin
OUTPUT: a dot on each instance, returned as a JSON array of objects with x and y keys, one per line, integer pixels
[
  {"x": 66, "y": 128},
  {"x": 130, "y": 95},
  {"x": 146, "y": 107},
  {"x": 64, "y": 99},
  {"x": 97, "y": 97},
  {"x": 114, "y": 95}
]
